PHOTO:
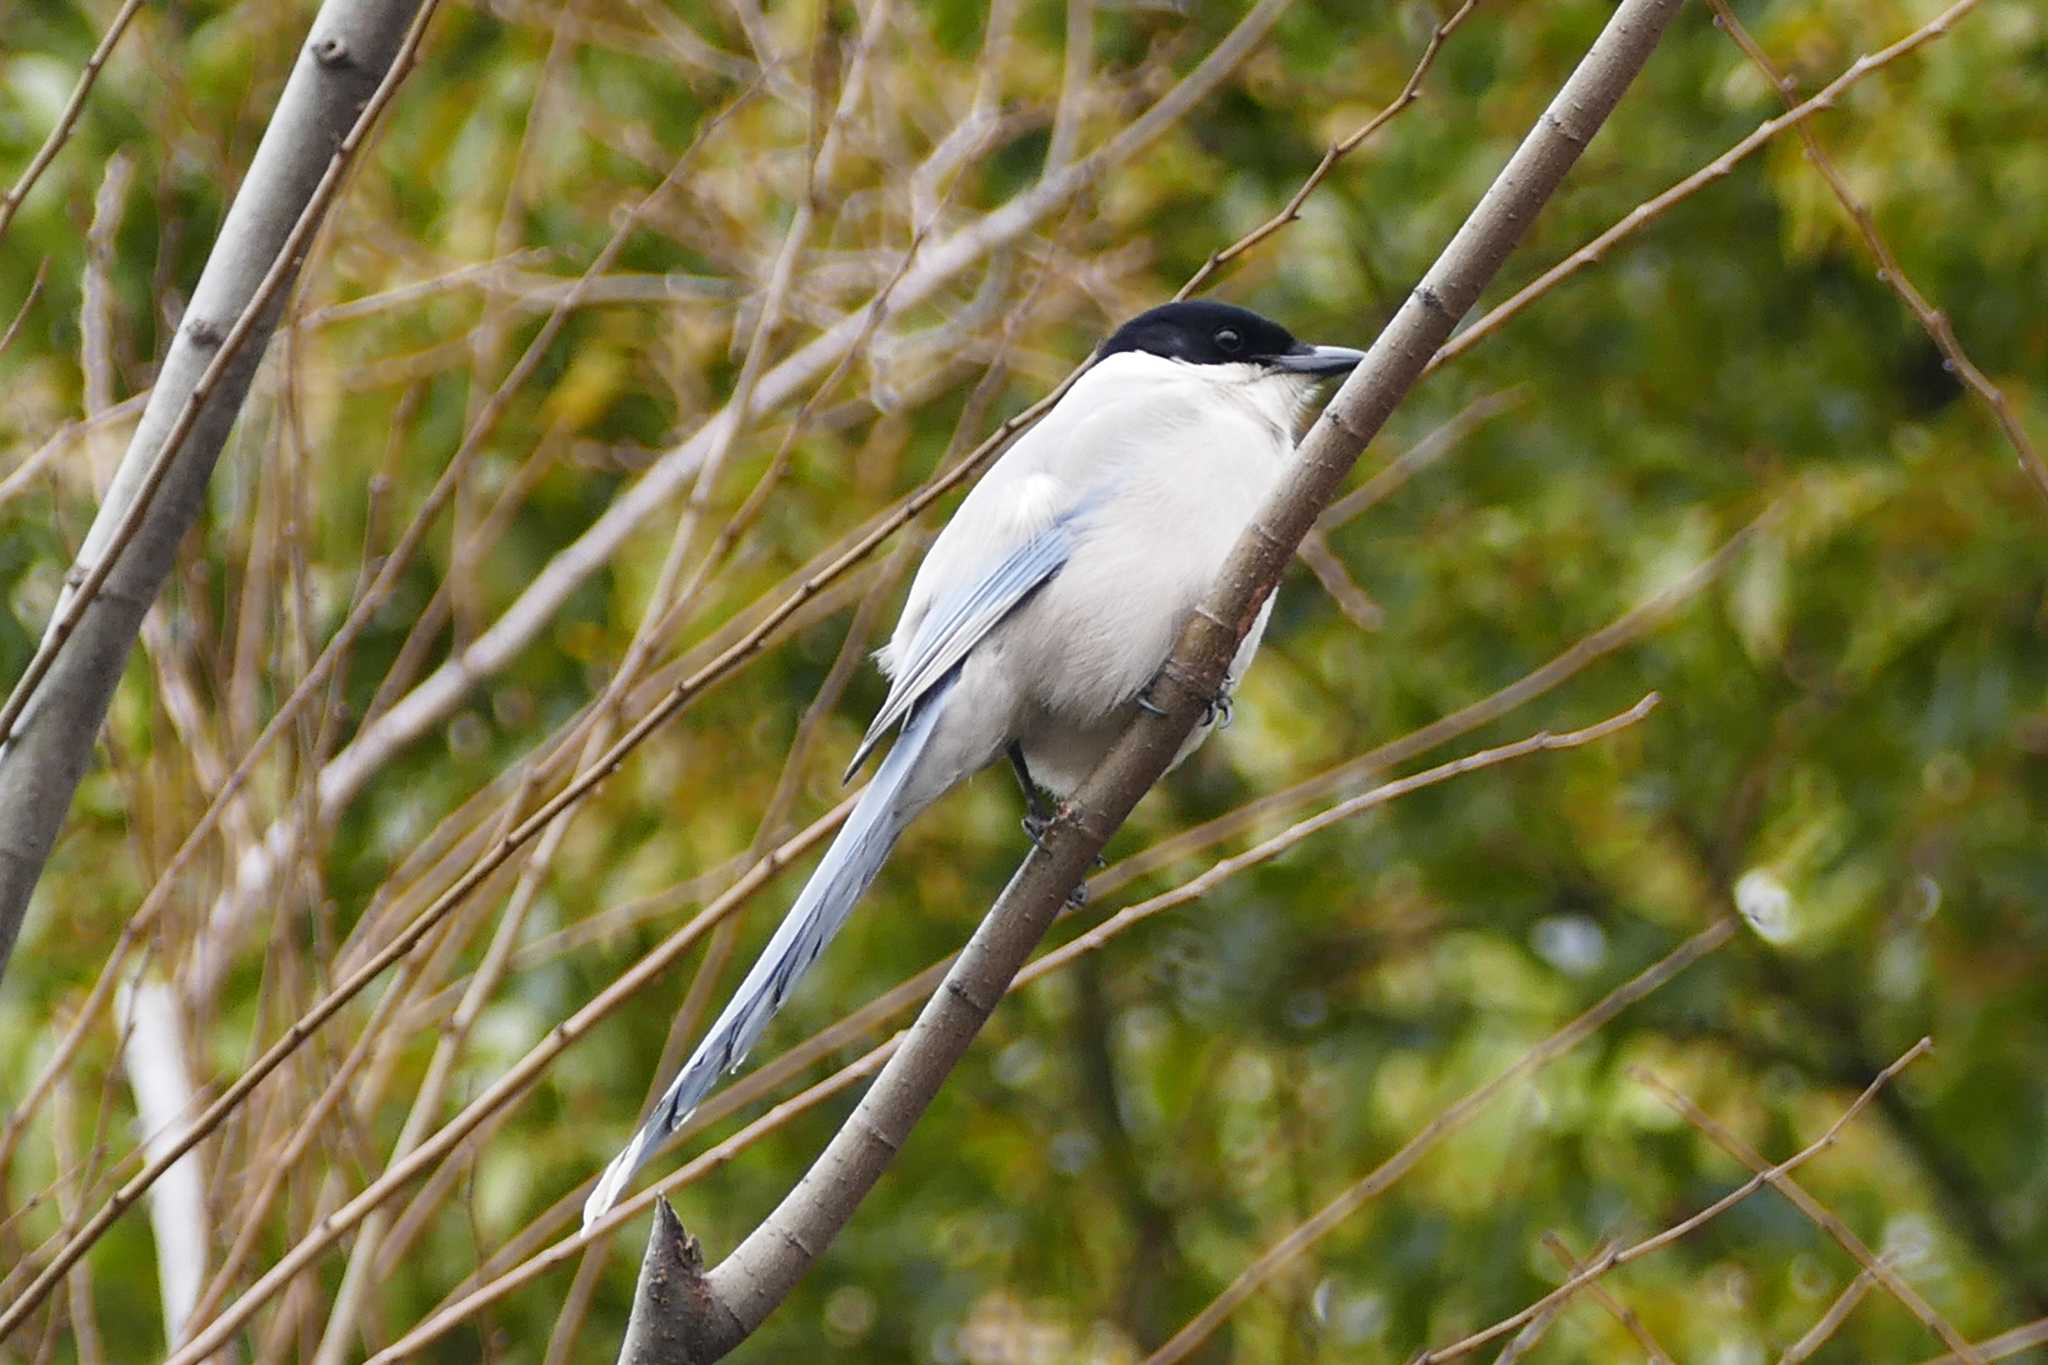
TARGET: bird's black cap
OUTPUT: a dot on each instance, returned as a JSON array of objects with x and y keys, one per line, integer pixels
[{"x": 1204, "y": 332}]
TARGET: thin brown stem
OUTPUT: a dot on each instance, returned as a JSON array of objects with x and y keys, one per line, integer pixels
[
  {"x": 10, "y": 204},
  {"x": 1381, "y": 1177},
  {"x": 1671, "y": 1234},
  {"x": 1931, "y": 319},
  {"x": 1605, "y": 1297},
  {"x": 1822, "y": 1216},
  {"x": 1647, "y": 212},
  {"x": 1289, "y": 212}
]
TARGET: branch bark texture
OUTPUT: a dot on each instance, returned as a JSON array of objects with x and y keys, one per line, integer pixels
[
  {"x": 157, "y": 492},
  {"x": 668, "y": 1296},
  {"x": 725, "y": 1305}
]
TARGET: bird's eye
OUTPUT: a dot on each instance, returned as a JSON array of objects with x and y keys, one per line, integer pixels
[{"x": 1229, "y": 342}]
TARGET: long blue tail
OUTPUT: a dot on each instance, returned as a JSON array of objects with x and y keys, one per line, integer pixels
[{"x": 849, "y": 866}]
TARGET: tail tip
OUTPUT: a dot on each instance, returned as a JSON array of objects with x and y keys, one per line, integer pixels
[{"x": 613, "y": 1182}]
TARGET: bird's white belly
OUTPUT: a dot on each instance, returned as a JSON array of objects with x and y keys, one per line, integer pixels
[{"x": 1114, "y": 611}]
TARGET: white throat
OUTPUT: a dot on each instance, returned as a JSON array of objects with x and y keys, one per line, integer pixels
[{"x": 1277, "y": 398}]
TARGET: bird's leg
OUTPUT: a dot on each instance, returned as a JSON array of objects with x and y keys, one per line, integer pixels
[
  {"x": 1038, "y": 819},
  {"x": 1041, "y": 816}
]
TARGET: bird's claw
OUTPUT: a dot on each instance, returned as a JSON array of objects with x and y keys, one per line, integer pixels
[
  {"x": 1036, "y": 826},
  {"x": 1220, "y": 710}
]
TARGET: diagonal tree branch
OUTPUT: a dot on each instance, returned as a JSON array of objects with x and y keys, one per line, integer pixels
[
  {"x": 492, "y": 1282},
  {"x": 346, "y": 73},
  {"x": 722, "y": 1307},
  {"x": 1647, "y": 212},
  {"x": 2004, "y": 1344},
  {"x": 1290, "y": 212}
]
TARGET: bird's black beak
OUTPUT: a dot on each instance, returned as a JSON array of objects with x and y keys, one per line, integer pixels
[{"x": 1323, "y": 362}]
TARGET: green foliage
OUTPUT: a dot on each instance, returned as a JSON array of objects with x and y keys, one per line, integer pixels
[{"x": 1854, "y": 727}]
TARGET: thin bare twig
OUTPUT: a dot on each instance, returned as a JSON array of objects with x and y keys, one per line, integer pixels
[
  {"x": 1603, "y": 1296},
  {"x": 28, "y": 302},
  {"x": 1532, "y": 1334},
  {"x": 1336, "y": 579},
  {"x": 1822, "y": 1216},
  {"x": 1647, "y": 212},
  {"x": 1449, "y": 1120},
  {"x": 1630, "y": 626},
  {"x": 2005, "y": 1344},
  {"x": 68, "y": 118},
  {"x": 1671, "y": 1234},
  {"x": 79, "y": 1305},
  {"x": 1830, "y": 1322},
  {"x": 1931, "y": 319},
  {"x": 1337, "y": 151},
  {"x": 1386, "y": 481},
  {"x": 1268, "y": 849}
]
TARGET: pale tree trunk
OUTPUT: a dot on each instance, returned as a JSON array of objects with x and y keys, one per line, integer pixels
[
  {"x": 153, "y": 1054},
  {"x": 47, "y": 731},
  {"x": 705, "y": 1314}
]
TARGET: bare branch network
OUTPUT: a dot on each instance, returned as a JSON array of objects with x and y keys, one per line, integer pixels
[{"x": 554, "y": 369}]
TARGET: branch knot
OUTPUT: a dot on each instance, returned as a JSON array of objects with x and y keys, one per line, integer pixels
[{"x": 331, "y": 52}]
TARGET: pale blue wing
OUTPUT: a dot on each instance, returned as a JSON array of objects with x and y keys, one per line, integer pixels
[{"x": 957, "y": 623}]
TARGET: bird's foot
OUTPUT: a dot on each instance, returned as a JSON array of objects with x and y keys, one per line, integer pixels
[
  {"x": 1144, "y": 697},
  {"x": 1035, "y": 824},
  {"x": 1219, "y": 710}
]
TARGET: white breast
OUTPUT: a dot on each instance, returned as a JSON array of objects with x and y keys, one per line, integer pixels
[
  {"x": 1155, "y": 468},
  {"x": 1177, "y": 458}
]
